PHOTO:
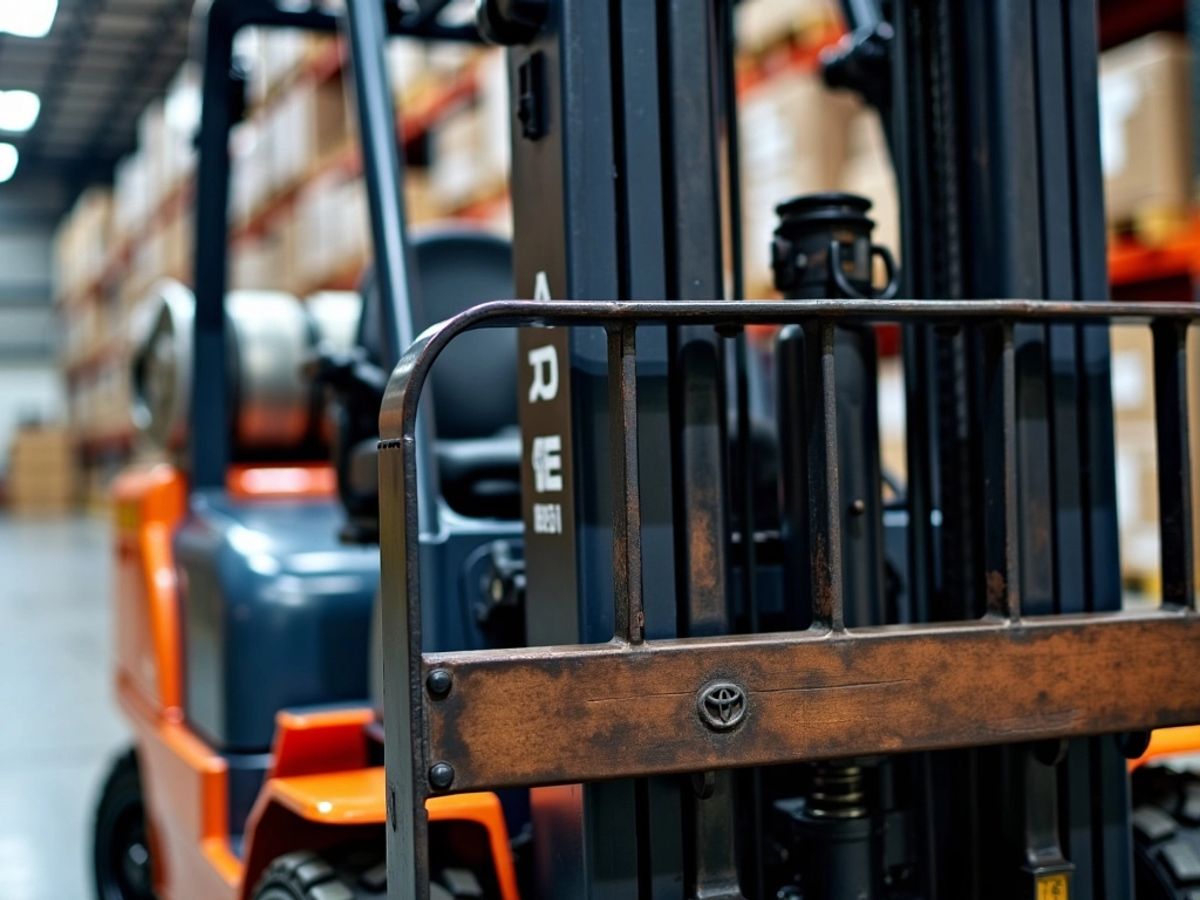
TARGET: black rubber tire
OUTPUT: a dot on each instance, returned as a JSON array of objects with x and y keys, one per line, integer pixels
[
  {"x": 121, "y": 862},
  {"x": 355, "y": 873},
  {"x": 1166, "y": 834}
]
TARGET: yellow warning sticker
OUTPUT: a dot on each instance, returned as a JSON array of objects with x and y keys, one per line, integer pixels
[{"x": 1052, "y": 887}]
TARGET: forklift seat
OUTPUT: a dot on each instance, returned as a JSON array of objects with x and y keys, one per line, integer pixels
[{"x": 473, "y": 385}]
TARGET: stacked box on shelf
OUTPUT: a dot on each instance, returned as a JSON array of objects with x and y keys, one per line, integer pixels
[
  {"x": 42, "y": 477},
  {"x": 181, "y": 108},
  {"x": 868, "y": 172},
  {"x": 331, "y": 232},
  {"x": 254, "y": 263},
  {"x": 1145, "y": 135},
  {"x": 249, "y": 174},
  {"x": 470, "y": 145},
  {"x": 271, "y": 56},
  {"x": 763, "y": 25},
  {"x": 81, "y": 241},
  {"x": 1132, "y": 373},
  {"x": 407, "y": 67},
  {"x": 794, "y": 135},
  {"x": 131, "y": 197}
]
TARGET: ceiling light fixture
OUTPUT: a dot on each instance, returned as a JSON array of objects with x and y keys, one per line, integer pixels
[
  {"x": 27, "y": 18},
  {"x": 18, "y": 110},
  {"x": 9, "y": 157}
]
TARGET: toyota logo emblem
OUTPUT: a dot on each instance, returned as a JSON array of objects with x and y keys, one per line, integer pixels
[{"x": 722, "y": 705}]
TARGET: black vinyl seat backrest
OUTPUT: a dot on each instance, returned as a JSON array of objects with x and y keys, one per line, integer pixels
[{"x": 473, "y": 384}]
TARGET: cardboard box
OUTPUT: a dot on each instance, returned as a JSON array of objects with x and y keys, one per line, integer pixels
[
  {"x": 1145, "y": 127},
  {"x": 331, "y": 126},
  {"x": 82, "y": 241},
  {"x": 152, "y": 145},
  {"x": 762, "y": 24},
  {"x": 287, "y": 252},
  {"x": 254, "y": 264},
  {"x": 421, "y": 202},
  {"x": 1132, "y": 372},
  {"x": 181, "y": 109},
  {"x": 407, "y": 62},
  {"x": 470, "y": 146},
  {"x": 130, "y": 196},
  {"x": 42, "y": 476},
  {"x": 794, "y": 140},
  {"x": 868, "y": 172},
  {"x": 250, "y": 168}
]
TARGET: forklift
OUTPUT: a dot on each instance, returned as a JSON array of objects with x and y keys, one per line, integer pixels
[
  {"x": 691, "y": 651},
  {"x": 746, "y": 672},
  {"x": 248, "y": 565}
]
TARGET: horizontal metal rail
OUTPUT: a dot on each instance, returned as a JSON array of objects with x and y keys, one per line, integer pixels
[
  {"x": 631, "y": 707},
  {"x": 593, "y": 712}
]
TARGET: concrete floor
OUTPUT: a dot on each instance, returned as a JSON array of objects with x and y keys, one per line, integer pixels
[{"x": 59, "y": 727}]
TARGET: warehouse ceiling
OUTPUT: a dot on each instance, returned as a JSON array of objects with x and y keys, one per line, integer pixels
[{"x": 100, "y": 64}]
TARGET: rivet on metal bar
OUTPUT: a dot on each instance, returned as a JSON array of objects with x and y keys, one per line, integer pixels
[
  {"x": 825, "y": 518},
  {"x": 1174, "y": 473},
  {"x": 627, "y": 513},
  {"x": 1000, "y": 464}
]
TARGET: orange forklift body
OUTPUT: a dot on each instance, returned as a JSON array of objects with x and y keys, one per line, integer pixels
[{"x": 320, "y": 790}]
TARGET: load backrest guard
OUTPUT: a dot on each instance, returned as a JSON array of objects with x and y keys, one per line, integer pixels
[{"x": 630, "y": 707}]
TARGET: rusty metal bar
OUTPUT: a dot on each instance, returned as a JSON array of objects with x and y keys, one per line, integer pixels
[
  {"x": 825, "y": 505},
  {"x": 407, "y": 834},
  {"x": 553, "y": 714},
  {"x": 1174, "y": 464},
  {"x": 1001, "y": 468},
  {"x": 520, "y": 313},
  {"x": 627, "y": 509}
]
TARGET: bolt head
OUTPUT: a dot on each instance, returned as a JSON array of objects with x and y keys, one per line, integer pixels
[
  {"x": 439, "y": 682},
  {"x": 441, "y": 775}
]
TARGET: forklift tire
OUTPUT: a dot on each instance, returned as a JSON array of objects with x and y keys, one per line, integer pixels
[
  {"x": 1166, "y": 834},
  {"x": 304, "y": 875},
  {"x": 120, "y": 850}
]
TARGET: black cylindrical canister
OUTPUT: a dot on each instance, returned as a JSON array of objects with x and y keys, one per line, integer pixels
[{"x": 822, "y": 247}]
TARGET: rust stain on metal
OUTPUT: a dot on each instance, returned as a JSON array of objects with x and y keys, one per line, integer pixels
[
  {"x": 565, "y": 714},
  {"x": 997, "y": 592},
  {"x": 702, "y": 555},
  {"x": 822, "y": 580}
]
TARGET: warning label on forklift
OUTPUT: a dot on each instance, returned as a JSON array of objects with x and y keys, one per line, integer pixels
[
  {"x": 547, "y": 485},
  {"x": 1052, "y": 887}
]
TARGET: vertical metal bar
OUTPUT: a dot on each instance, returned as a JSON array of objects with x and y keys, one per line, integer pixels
[
  {"x": 689, "y": 93},
  {"x": 1192, "y": 20},
  {"x": 1003, "y": 527},
  {"x": 1067, "y": 414},
  {"x": 627, "y": 513},
  {"x": 393, "y": 260},
  {"x": 792, "y": 352},
  {"x": 749, "y": 786},
  {"x": 825, "y": 515},
  {"x": 641, "y": 229},
  {"x": 694, "y": 272},
  {"x": 716, "y": 872},
  {"x": 1105, "y": 834},
  {"x": 1174, "y": 473},
  {"x": 726, "y": 49},
  {"x": 400, "y": 600},
  {"x": 210, "y": 400}
]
